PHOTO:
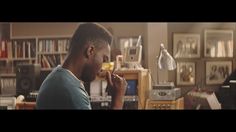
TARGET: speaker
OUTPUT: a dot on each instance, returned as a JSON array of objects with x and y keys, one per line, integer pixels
[{"x": 27, "y": 78}]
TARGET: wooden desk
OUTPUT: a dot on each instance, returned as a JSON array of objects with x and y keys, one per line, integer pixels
[
  {"x": 25, "y": 105},
  {"x": 165, "y": 105}
]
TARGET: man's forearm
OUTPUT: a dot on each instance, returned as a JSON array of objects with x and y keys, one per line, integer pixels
[{"x": 117, "y": 102}]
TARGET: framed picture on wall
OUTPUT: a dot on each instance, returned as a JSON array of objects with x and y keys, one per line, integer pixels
[
  {"x": 218, "y": 43},
  {"x": 186, "y": 45},
  {"x": 185, "y": 73},
  {"x": 217, "y": 71}
]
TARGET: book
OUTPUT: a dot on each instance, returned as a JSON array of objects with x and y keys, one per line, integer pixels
[
  {"x": 203, "y": 100},
  {"x": 45, "y": 61},
  {"x": 3, "y": 49},
  {"x": 9, "y": 49}
]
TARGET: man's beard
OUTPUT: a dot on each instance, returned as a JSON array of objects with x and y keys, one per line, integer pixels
[{"x": 87, "y": 74}]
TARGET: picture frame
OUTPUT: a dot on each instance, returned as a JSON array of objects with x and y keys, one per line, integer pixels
[
  {"x": 218, "y": 43},
  {"x": 186, "y": 73},
  {"x": 186, "y": 45},
  {"x": 217, "y": 71},
  {"x": 128, "y": 41}
]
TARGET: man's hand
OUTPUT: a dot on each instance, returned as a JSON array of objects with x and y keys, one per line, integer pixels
[{"x": 118, "y": 86}]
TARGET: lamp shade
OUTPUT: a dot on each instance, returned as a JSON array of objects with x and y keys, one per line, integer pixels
[{"x": 165, "y": 60}]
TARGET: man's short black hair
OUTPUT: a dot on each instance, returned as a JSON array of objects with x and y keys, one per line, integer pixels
[{"x": 89, "y": 32}]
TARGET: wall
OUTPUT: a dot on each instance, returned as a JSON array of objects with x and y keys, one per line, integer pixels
[
  {"x": 42, "y": 29},
  {"x": 4, "y": 30},
  {"x": 153, "y": 35},
  {"x": 200, "y": 62},
  {"x": 157, "y": 34}
]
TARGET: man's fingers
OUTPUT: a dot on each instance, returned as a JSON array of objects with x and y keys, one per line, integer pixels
[
  {"x": 109, "y": 79},
  {"x": 116, "y": 77}
]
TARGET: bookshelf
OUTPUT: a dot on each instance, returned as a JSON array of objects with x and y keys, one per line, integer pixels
[
  {"x": 23, "y": 51},
  {"x": 14, "y": 51},
  {"x": 48, "y": 51}
]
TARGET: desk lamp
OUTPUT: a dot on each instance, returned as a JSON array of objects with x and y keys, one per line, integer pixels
[{"x": 164, "y": 91}]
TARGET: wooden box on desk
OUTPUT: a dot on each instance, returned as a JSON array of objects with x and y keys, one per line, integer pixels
[
  {"x": 26, "y": 105},
  {"x": 165, "y": 105},
  {"x": 143, "y": 82}
]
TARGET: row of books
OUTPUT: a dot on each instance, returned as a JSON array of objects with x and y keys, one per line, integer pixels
[
  {"x": 51, "y": 61},
  {"x": 27, "y": 48},
  {"x": 22, "y": 49},
  {"x": 17, "y": 49},
  {"x": 8, "y": 85},
  {"x": 53, "y": 45}
]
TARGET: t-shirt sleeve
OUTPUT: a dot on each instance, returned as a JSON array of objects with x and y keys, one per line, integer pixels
[{"x": 81, "y": 100}]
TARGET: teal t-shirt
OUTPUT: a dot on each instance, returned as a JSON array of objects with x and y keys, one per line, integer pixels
[{"x": 62, "y": 90}]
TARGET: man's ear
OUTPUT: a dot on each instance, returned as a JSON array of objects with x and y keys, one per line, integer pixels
[{"x": 90, "y": 50}]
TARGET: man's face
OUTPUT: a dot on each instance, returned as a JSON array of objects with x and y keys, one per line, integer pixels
[{"x": 94, "y": 65}]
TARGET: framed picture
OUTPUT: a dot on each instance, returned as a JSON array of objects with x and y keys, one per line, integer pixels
[
  {"x": 186, "y": 45},
  {"x": 218, "y": 43},
  {"x": 127, "y": 42},
  {"x": 185, "y": 73},
  {"x": 217, "y": 71}
]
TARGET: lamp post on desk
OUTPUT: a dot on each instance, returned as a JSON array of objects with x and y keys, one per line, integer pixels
[{"x": 165, "y": 90}]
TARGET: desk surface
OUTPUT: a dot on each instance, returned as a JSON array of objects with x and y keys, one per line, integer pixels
[{"x": 25, "y": 105}]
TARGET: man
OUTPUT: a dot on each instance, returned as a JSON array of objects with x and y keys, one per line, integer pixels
[{"x": 63, "y": 88}]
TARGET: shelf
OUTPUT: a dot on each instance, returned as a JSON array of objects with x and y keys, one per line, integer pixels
[
  {"x": 19, "y": 59},
  {"x": 16, "y": 59},
  {"x": 52, "y": 53},
  {"x": 8, "y": 75},
  {"x": 3, "y": 59}
]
